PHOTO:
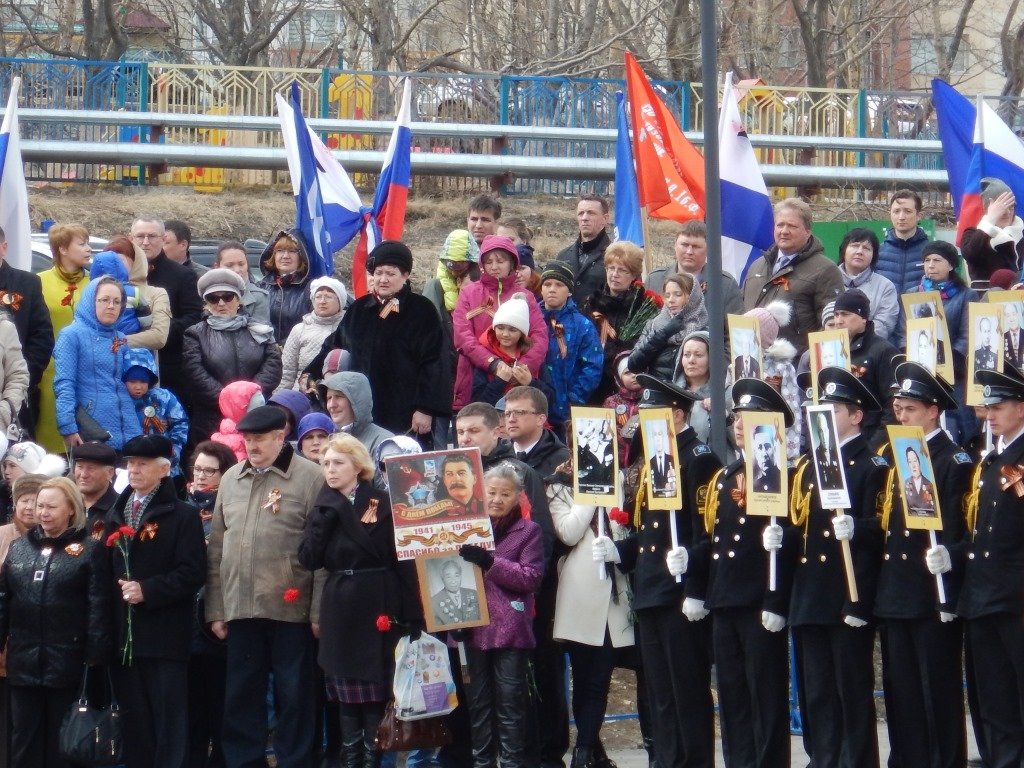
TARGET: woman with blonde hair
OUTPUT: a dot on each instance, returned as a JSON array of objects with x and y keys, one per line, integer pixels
[
  {"x": 350, "y": 534},
  {"x": 54, "y": 619}
]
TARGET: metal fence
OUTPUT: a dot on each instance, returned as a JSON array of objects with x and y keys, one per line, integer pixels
[{"x": 447, "y": 98}]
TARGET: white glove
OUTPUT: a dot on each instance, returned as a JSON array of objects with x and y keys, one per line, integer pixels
[
  {"x": 853, "y": 621},
  {"x": 677, "y": 559},
  {"x": 842, "y": 524},
  {"x": 694, "y": 610},
  {"x": 945, "y": 617},
  {"x": 604, "y": 550},
  {"x": 937, "y": 560},
  {"x": 771, "y": 538},
  {"x": 772, "y": 621}
]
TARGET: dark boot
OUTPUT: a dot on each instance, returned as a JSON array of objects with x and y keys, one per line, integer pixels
[
  {"x": 371, "y": 719},
  {"x": 652, "y": 759},
  {"x": 582, "y": 758},
  {"x": 351, "y": 737},
  {"x": 601, "y": 759}
]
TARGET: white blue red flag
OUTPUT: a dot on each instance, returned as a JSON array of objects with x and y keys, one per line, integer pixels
[
  {"x": 747, "y": 218},
  {"x": 13, "y": 193},
  {"x": 328, "y": 210},
  {"x": 995, "y": 151},
  {"x": 392, "y": 194},
  {"x": 628, "y": 217}
]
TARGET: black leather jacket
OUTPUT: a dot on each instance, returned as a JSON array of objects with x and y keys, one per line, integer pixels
[{"x": 54, "y": 608}]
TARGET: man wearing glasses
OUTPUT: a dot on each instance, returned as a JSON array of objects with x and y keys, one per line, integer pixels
[{"x": 179, "y": 281}]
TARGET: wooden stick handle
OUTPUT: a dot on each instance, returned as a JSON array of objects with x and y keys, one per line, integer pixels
[
  {"x": 602, "y": 572},
  {"x": 851, "y": 579}
]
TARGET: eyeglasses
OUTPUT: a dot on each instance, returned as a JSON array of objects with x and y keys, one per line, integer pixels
[
  {"x": 289, "y": 251},
  {"x": 107, "y": 300},
  {"x": 614, "y": 270},
  {"x": 325, "y": 297},
  {"x": 220, "y": 298},
  {"x": 518, "y": 414},
  {"x": 205, "y": 471},
  {"x": 144, "y": 237}
]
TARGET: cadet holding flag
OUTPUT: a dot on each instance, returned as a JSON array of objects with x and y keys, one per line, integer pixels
[
  {"x": 834, "y": 634},
  {"x": 922, "y": 642}
]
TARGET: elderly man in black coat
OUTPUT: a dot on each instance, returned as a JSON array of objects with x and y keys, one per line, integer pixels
[
  {"x": 157, "y": 568},
  {"x": 395, "y": 338},
  {"x": 21, "y": 295}
]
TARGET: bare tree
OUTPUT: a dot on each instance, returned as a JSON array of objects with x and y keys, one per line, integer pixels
[
  {"x": 242, "y": 31},
  {"x": 102, "y": 37}
]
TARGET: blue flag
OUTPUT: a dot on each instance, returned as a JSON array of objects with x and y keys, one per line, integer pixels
[{"x": 628, "y": 221}]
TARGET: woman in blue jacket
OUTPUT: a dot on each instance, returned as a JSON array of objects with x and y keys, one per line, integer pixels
[{"x": 89, "y": 359}]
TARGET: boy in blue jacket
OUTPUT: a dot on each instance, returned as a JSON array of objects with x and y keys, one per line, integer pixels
[
  {"x": 575, "y": 358},
  {"x": 159, "y": 411}
]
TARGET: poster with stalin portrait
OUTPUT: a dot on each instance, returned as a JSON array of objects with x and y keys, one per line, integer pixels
[{"x": 437, "y": 502}]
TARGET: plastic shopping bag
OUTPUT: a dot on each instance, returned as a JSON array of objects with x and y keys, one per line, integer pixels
[{"x": 423, "y": 684}]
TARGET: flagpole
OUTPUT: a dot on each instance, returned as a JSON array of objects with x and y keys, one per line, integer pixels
[
  {"x": 645, "y": 228},
  {"x": 712, "y": 206}
]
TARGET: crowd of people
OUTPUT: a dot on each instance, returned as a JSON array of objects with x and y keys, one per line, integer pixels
[{"x": 194, "y": 497}]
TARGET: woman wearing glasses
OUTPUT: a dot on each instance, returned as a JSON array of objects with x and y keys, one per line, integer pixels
[
  {"x": 285, "y": 266},
  {"x": 304, "y": 342},
  {"x": 89, "y": 359},
  {"x": 225, "y": 347}
]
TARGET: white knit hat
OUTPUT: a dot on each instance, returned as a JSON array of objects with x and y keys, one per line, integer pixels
[
  {"x": 514, "y": 312},
  {"x": 331, "y": 284}
]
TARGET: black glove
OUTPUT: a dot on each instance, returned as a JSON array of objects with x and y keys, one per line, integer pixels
[{"x": 471, "y": 553}]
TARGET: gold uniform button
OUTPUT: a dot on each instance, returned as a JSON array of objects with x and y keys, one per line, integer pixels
[
  {"x": 736, "y": 537},
  {"x": 743, "y": 520},
  {"x": 886, "y": 555},
  {"x": 643, "y": 527},
  {"x": 825, "y": 534},
  {"x": 717, "y": 539},
  {"x": 731, "y": 553},
  {"x": 970, "y": 556},
  {"x": 715, "y": 556},
  {"x": 822, "y": 558},
  {"x": 641, "y": 550},
  {"x": 652, "y": 547},
  {"x": 803, "y": 559},
  {"x": 903, "y": 556},
  {"x": 655, "y": 523},
  {"x": 907, "y": 534},
  {"x": 986, "y": 554}
]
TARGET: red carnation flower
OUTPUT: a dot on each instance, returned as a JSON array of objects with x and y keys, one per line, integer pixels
[
  {"x": 291, "y": 595},
  {"x": 112, "y": 538},
  {"x": 126, "y": 530},
  {"x": 383, "y": 623},
  {"x": 617, "y": 515}
]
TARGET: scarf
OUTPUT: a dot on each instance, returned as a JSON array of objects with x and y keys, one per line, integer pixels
[
  {"x": 947, "y": 288},
  {"x": 261, "y": 333}
]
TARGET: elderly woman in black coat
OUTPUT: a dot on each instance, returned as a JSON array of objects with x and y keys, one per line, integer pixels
[
  {"x": 54, "y": 619},
  {"x": 350, "y": 534},
  {"x": 225, "y": 347}
]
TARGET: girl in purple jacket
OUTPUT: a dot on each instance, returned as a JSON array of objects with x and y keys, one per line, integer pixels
[{"x": 498, "y": 654}]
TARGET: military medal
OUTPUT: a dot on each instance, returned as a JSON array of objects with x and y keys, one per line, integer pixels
[{"x": 273, "y": 501}]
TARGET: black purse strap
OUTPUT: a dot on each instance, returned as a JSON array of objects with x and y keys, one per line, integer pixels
[{"x": 83, "y": 697}]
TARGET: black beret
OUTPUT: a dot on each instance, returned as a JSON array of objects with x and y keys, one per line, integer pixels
[
  {"x": 149, "y": 447},
  {"x": 390, "y": 252},
  {"x": 266, "y": 418},
  {"x": 101, "y": 453}
]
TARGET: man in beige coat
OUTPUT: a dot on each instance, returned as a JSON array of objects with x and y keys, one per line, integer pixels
[
  {"x": 794, "y": 270},
  {"x": 259, "y": 598}
]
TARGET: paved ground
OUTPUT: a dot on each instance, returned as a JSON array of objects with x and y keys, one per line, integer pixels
[{"x": 636, "y": 758}]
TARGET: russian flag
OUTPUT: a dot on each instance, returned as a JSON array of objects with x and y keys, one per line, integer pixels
[
  {"x": 392, "y": 194},
  {"x": 747, "y": 216},
  {"x": 628, "y": 217},
  {"x": 328, "y": 211},
  {"x": 13, "y": 192},
  {"x": 994, "y": 151}
]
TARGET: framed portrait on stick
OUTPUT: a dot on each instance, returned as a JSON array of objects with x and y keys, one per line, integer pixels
[
  {"x": 765, "y": 479},
  {"x": 1013, "y": 328},
  {"x": 661, "y": 457},
  {"x": 984, "y": 345},
  {"x": 929, "y": 304},
  {"x": 595, "y": 457},
  {"x": 451, "y": 592},
  {"x": 828, "y": 349},
  {"x": 918, "y": 496},
  {"x": 745, "y": 347},
  {"x": 923, "y": 342}
]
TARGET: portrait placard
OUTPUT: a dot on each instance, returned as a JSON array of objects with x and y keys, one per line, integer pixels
[
  {"x": 451, "y": 592},
  {"x": 923, "y": 342},
  {"x": 828, "y": 462},
  {"x": 745, "y": 352},
  {"x": 596, "y": 459},
  {"x": 828, "y": 349},
  {"x": 664, "y": 489},
  {"x": 765, "y": 478},
  {"x": 1003, "y": 296},
  {"x": 984, "y": 345},
  {"x": 917, "y": 478},
  {"x": 929, "y": 304},
  {"x": 1013, "y": 329},
  {"x": 437, "y": 502}
]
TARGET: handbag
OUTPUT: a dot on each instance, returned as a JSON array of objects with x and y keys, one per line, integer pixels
[
  {"x": 394, "y": 735},
  {"x": 89, "y": 735},
  {"x": 90, "y": 430}
]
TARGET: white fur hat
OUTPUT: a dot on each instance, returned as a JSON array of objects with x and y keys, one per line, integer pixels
[
  {"x": 514, "y": 312},
  {"x": 35, "y": 460},
  {"x": 332, "y": 284}
]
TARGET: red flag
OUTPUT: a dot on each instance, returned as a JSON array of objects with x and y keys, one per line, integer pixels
[{"x": 669, "y": 169}]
